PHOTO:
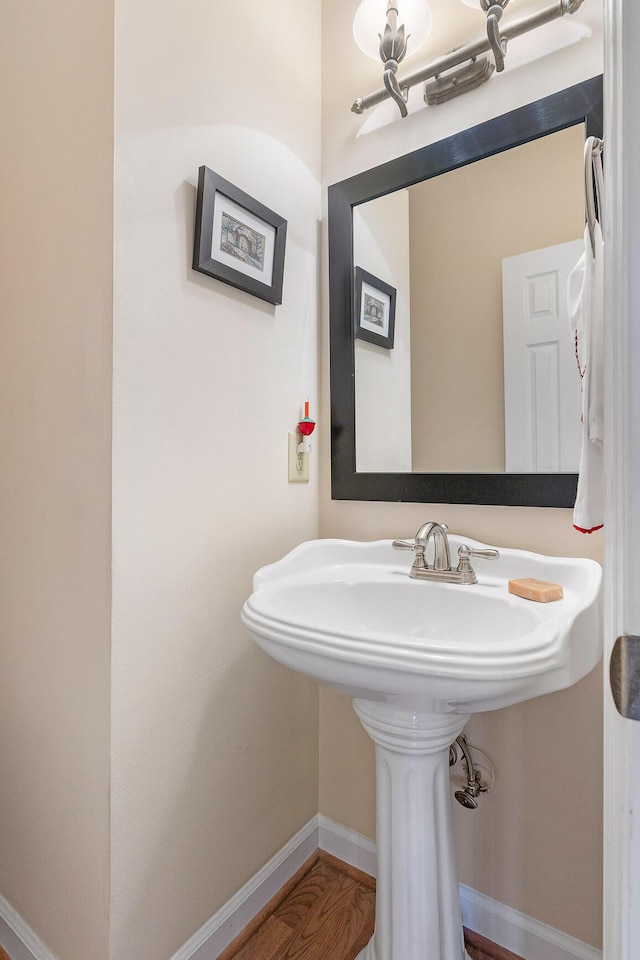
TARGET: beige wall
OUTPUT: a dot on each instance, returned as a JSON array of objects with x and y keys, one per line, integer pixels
[
  {"x": 56, "y": 114},
  {"x": 463, "y": 225},
  {"x": 214, "y": 748},
  {"x": 215, "y": 756},
  {"x": 558, "y": 737}
]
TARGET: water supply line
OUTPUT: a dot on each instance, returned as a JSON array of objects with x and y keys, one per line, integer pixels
[{"x": 475, "y": 785}]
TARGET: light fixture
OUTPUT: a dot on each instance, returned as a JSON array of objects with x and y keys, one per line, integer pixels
[
  {"x": 454, "y": 73},
  {"x": 406, "y": 23},
  {"x": 370, "y": 19}
]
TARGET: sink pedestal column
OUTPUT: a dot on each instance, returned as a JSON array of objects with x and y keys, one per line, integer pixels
[{"x": 417, "y": 898}]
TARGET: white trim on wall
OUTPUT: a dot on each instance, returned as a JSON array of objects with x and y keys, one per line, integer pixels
[
  {"x": 218, "y": 932},
  {"x": 347, "y": 845},
  {"x": 519, "y": 933},
  {"x": 622, "y": 470},
  {"x": 17, "y": 937},
  {"x": 507, "y": 927}
]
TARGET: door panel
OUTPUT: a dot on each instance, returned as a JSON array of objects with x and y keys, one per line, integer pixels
[{"x": 541, "y": 380}]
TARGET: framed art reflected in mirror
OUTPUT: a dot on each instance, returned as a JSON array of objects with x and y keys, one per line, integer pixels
[{"x": 375, "y": 310}]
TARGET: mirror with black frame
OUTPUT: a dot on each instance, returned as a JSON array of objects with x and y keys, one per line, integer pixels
[{"x": 457, "y": 239}]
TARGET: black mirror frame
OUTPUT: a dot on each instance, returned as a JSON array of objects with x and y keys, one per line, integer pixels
[{"x": 580, "y": 103}]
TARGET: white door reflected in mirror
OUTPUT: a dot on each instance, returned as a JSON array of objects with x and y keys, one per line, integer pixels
[{"x": 542, "y": 402}]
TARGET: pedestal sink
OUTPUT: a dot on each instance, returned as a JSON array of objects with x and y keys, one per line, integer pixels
[{"x": 418, "y": 658}]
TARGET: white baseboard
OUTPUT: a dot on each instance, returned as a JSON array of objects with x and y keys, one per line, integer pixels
[
  {"x": 519, "y": 933},
  {"x": 17, "y": 938},
  {"x": 515, "y": 931},
  {"x": 524, "y": 936},
  {"x": 218, "y": 932},
  {"x": 320, "y": 832},
  {"x": 347, "y": 845}
]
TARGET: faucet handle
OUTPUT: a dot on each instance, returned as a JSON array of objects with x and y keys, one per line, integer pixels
[
  {"x": 404, "y": 544},
  {"x": 465, "y": 553},
  {"x": 464, "y": 566},
  {"x": 417, "y": 546}
]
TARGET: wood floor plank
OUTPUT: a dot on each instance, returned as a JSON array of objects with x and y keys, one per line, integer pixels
[
  {"x": 328, "y": 913},
  {"x": 475, "y": 954},
  {"x": 307, "y": 894},
  {"x": 269, "y": 940},
  {"x": 230, "y": 952},
  {"x": 334, "y": 926},
  {"x": 327, "y": 910},
  {"x": 479, "y": 948},
  {"x": 366, "y": 905},
  {"x": 350, "y": 871}
]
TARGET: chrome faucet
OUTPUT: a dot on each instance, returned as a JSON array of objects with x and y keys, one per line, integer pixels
[
  {"x": 441, "y": 555},
  {"x": 441, "y": 568}
]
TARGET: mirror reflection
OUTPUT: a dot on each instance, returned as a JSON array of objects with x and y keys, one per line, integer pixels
[{"x": 482, "y": 376}]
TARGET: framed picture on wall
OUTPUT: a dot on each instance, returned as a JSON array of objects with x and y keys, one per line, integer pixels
[
  {"x": 237, "y": 239},
  {"x": 375, "y": 310}
]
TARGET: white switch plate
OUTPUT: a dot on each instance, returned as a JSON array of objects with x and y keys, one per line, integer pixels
[{"x": 296, "y": 460}]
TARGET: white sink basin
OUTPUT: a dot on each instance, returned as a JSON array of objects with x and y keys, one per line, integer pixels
[
  {"x": 419, "y": 657},
  {"x": 347, "y": 614}
]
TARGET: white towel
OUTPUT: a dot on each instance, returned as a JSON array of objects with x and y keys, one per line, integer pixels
[{"x": 585, "y": 300}]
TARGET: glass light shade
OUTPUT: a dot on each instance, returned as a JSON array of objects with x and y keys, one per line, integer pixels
[
  {"x": 474, "y": 4},
  {"x": 371, "y": 17}
]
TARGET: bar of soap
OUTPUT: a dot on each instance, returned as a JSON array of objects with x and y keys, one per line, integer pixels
[{"x": 539, "y": 590}]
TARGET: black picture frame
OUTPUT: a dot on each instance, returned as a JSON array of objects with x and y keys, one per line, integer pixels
[
  {"x": 580, "y": 104},
  {"x": 237, "y": 239},
  {"x": 375, "y": 310}
]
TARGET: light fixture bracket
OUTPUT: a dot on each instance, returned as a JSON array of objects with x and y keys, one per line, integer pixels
[
  {"x": 460, "y": 80},
  {"x": 393, "y": 48}
]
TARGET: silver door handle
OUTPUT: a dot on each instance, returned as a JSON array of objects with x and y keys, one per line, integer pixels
[{"x": 624, "y": 676}]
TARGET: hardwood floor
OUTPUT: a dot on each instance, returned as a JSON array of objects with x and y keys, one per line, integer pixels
[
  {"x": 327, "y": 910},
  {"x": 479, "y": 948}
]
